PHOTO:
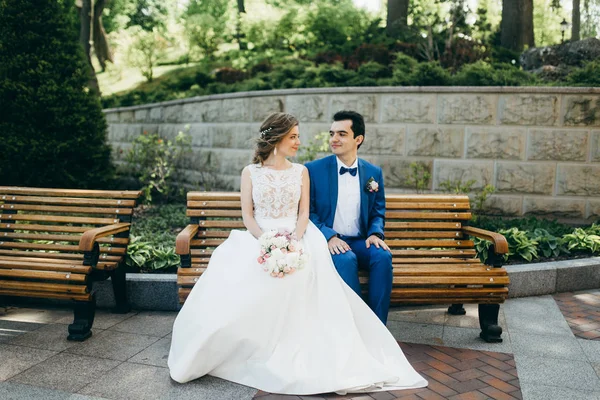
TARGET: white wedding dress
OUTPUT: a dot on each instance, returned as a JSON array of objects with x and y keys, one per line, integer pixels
[{"x": 306, "y": 333}]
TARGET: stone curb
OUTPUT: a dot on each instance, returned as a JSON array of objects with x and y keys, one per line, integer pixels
[{"x": 159, "y": 291}]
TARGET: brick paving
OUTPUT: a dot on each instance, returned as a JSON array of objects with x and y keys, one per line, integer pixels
[
  {"x": 456, "y": 374},
  {"x": 582, "y": 313}
]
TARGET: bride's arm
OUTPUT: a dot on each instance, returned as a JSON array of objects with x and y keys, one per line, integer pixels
[
  {"x": 248, "y": 205},
  {"x": 304, "y": 206}
]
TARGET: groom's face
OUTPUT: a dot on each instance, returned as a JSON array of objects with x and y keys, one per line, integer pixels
[{"x": 342, "y": 140}]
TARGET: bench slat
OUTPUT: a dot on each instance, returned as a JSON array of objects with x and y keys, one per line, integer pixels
[
  {"x": 430, "y": 243},
  {"x": 46, "y": 228},
  {"x": 68, "y": 256},
  {"x": 214, "y": 213},
  {"x": 429, "y": 198},
  {"x": 43, "y": 287},
  {"x": 450, "y": 280},
  {"x": 415, "y": 293},
  {"x": 58, "y": 247},
  {"x": 60, "y": 238},
  {"x": 392, "y": 225},
  {"x": 70, "y": 201},
  {"x": 67, "y": 209},
  {"x": 427, "y": 215},
  {"x": 10, "y": 191},
  {"x": 426, "y": 206},
  {"x": 43, "y": 266},
  {"x": 239, "y": 224},
  {"x": 46, "y": 275},
  {"x": 56, "y": 218},
  {"x": 47, "y": 295}
]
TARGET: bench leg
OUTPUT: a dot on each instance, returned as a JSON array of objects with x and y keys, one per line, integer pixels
[
  {"x": 81, "y": 328},
  {"x": 119, "y": 284},
  {"x": 456, "y": 309},
  {"x": 488, "y": 321}
]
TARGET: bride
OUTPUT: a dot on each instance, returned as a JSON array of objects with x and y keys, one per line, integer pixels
[{"x": 306, "y": 333}]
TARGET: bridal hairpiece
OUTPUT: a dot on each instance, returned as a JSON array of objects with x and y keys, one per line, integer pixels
[{"x": 263, "y": 133}]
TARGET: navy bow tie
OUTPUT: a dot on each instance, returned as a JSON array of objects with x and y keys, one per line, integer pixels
[{"x": 352, "y": 171}]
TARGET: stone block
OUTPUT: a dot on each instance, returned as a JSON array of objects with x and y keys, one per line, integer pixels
[
  {"x": 503, "y": 205},
  {"x": 528, "y": 109},
  {"x": 150, "y": 129},
  {"x": 112, "y": 117},
  {"x": 124, "y": 132},
  {"x": 593, "y": 208},
  {"x": 558, "y": 145},
  {"x": 234, "y": 161},
  {"x": 554, "y": 208},
  {"x": 170, "y": 131},
  {"x": 578, "y": 180},
  {"x": 530, "y": 281},
  {"x": 200, "y": 134},
  {"x": 126, "y": 116},
  {"x": 467, "y": 108},
  {"x": 173, "y": 113},
  {"x": 582, "y": 110},
  {"x": 155, "y": 114},
  {"x": 222, "y": 136},
  {"x": 450, "y": 170},
  {"x": 434, "y": 141},
  {"x": 235, "y": 110},
  {"x": 191, "y": 112},
  {"x": 308, "y": 108},
  {"x": 496, "y": 143},
  {"x": 384, "y": 140},
  {"x": 578, "y": 275},
  {"x": 141, "y": 115},
  {"x": 262, "y": 106},
  {"x": 396, "y": 170},
  {"x": 362, "y": 103},
  {"x": 411, "y": 108},
  {"x": 209, "y": 111},
  {"x": 595, "y": 146},
  {"x": 244, "y": 136},
  {"x": 525, "y": 178}
]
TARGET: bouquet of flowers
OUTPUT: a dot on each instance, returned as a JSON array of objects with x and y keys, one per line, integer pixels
[{"x": 280, "y": 253}]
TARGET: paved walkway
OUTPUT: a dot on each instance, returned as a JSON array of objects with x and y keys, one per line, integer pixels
[{"x": 126, "y": 357}]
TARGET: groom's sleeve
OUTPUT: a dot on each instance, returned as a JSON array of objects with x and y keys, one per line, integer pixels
[
  {"x": 314, "y": 216},
  {"x": 377, "y": 217}
]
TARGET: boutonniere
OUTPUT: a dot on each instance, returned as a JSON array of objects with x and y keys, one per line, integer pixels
[{"x": 372, "y": 185}]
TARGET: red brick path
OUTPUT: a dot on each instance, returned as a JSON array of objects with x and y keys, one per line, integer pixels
[
  {"x": 582, "y": 312},
  {"x": 456, "y": 374}
]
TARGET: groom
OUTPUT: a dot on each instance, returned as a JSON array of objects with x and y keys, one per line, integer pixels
[{"x": 347, "y": 203}]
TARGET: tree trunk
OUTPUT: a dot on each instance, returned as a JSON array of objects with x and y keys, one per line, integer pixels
[
  {"x": 510, "y": 27},
  {"x": 84, "y": 37},
  {"x": 516, "y": 28},
  {"x": 527, "y": 24},
  {"x": 397, "y": 16},
  {"x": 239, "y": 34},
  {"x": 103, "y": 53},
  {"x": 576, "y": 21}
]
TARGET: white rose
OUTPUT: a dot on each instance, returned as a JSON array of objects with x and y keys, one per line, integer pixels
[{"x": 277, "y": 254}]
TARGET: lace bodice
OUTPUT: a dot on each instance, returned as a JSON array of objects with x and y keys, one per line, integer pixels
[{"x": 276, "y": 193}]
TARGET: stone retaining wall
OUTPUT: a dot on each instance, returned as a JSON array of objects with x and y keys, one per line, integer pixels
[{"x": 540, "y": 147}]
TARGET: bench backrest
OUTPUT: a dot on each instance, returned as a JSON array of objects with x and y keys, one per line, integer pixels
[
  {"x": 48, "y": 223},
  {"x": 420, "y": 229}
]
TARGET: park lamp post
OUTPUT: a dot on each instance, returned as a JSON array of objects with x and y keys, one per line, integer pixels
[{"x": 563, "y": 27}]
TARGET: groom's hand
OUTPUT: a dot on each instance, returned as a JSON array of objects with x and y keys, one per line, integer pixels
[
  {"x": 337, "y": 245},
  {"x": 374, "y": 240}
]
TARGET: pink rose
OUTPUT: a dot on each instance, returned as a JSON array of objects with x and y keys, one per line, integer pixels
[
  {"x": 286, "y": 270},
  {"x": 260, "y": 260},
  {"x": 274, "y": 274},
  {"x": 266, "y": 256},
  {"x": 273, "y": 247},
  {"x": 292, "y": 248},
  {"x": 280, "y": 275},
  {"x": 284, "y": 251}
]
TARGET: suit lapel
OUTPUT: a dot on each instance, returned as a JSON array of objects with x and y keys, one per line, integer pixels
[
  {"x": 364, "y": 199},
  {"x": 333, "y": 186}
]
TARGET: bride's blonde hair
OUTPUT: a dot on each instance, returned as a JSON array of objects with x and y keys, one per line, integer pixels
[{"x": 272, "y": 130}]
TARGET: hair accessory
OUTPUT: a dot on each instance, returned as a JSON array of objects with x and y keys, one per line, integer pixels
[{"x": 263, "y": 133}]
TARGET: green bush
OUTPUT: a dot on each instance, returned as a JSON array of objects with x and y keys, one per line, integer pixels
[
  {"x": 481, "y": 73},
  {"x": 589, "y": 75},
  {"x": 429, "y": 74},
  {"x": 53, "y": 128},
  {"x": 402, "y": 68}
]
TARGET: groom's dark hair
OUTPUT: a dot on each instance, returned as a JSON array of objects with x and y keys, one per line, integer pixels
[{"x": 358, "y": 122}]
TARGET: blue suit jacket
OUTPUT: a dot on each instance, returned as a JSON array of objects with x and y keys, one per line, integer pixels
[{"x": 324, "y": 194}]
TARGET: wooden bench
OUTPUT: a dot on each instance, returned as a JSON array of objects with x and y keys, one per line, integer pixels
[
  {"x": 54, "y": 243},
  {"x": 433, "y": 258}
]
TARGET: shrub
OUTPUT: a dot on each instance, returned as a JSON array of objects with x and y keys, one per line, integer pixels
[
  {"x": 53, "y": 128},
  {"x": 484, "y": 74},
  {"x": 429, "y": 74},
  {"x": 229, "y": 75},
  {"x": 589, "y": 75}
]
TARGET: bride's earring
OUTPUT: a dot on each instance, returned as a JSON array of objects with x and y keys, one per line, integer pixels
[{"x": 275, "y": 151}]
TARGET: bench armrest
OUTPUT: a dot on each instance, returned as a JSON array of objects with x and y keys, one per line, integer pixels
[
  {"x": 182, "y": 243},
  {"x": 89, "y": 237},
  {"x": 499, "y": 241}
]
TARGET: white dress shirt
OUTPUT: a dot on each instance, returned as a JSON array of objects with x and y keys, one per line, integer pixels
[{"x": 347, "y": 212}]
